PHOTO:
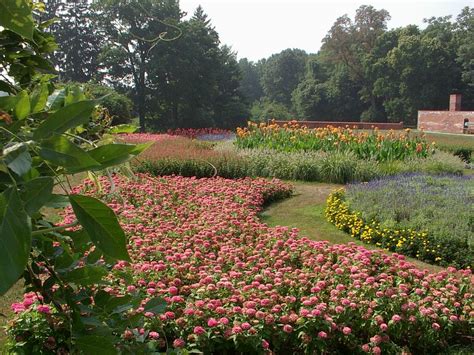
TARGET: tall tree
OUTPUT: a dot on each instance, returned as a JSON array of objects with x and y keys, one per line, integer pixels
[
  {"x": 282, "y": 73},
  {"x": 250, "y": 85},
  {"x": 350, "y": 43},
  {"x": 195, "y": 81},
  {"x": 78, "y": 40},
  {"x": 133, "y": 30}
]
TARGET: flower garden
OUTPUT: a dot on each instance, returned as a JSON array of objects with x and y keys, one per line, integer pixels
[
  {"x": 426, "y": 217},
  {"x": 233, "y": 284}
]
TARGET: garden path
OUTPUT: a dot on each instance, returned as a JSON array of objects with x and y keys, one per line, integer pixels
[{"x": 305, "y": 211}]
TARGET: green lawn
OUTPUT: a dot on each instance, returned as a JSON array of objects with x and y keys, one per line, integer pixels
[{"x": 305, "y": 211}]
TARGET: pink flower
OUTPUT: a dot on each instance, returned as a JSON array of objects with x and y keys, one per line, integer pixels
[
  {"x": 287, "y": 328},
  {"x": 43, "y": 309},
  {"x": 435, "y": 326},
  {"x": 224, "y": 321},
  {"x": 199, "y": 330},
  {"x": 346, "y": 330},
  {"x": 153, "y": 335},
  {"x": 179, "y": 343},
  {"x": 212, "y": 322},
  {"x": 383, "y": 327},
  {"x": 365, "y": 348},
  {"x": 396, "y": 318},
  {"x": 322, "y": 335},
  {"x": 376, "y": 350},
  {"x": 265, "y": 344}
]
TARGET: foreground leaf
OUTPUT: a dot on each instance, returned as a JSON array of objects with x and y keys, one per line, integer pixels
[
  {"x": 35, "y": 193},
  {"x": 15, "y": 239},
  {"x": 86, "y": 275},
  {"x": 94, "y": 344},
  {"x": 65, "y": 118},
  {"x": 115, "y": 154},
  {"x": 17, "y": 158},
  {"x": 100, "y": 223},
  {"x": 155, "y": 305},
  {"x": 62, "y": 152},
  {"x": 15, "y": 15}
]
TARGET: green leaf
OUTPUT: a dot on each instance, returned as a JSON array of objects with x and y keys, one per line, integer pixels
[
  {"x": 155, "y": 305},
  {"x": 35, "y": 193},
  {"x": 22, "y": 107},
  {"x": 56, "y": 99},
  {"x": 39, "y": 98},
  {"x": 114, "y": 154},
  {"x": 101, "y": 225},
  {"x": 15, "y": 15},
  {"x": 123, "y": 128},
  {"x": 15, "y": 239},
  {"x": 8, "y": 103},
  {"x": 17, "y": 158},
  {"x": 74, "y": 94},
  {"x": 60, "y": 151},
  {"x": 86, "y": 275},
  {"x": 94, "y": 344},
  {"x": 57, "y": 201},
  {"x": 65, "y": 118}
]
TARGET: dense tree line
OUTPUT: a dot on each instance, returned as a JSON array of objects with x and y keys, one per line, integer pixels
[
  {"x": 366, "y": 72},
  {"x": 177, "y": 72}
]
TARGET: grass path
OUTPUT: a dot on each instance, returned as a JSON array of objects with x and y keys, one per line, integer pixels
[{"x": 305, "y": 211}]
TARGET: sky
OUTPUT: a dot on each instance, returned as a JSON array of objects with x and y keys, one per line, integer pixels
[{"x": 256, "y": 29}]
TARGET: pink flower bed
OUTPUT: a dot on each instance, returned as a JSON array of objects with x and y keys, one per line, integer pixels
[
  {"x": 144, "y": 137},
  {"x": 234, "y": 284},
  {"x": 198, "y": 132}
]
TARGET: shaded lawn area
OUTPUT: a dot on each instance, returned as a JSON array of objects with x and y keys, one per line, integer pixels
[{"x": 305, "y": 211}]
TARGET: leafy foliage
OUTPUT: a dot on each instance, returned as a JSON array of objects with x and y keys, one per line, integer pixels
[{"x": 44, "y": 136}]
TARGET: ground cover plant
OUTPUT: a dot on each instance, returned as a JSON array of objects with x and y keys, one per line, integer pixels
[
  {"x": 292, "y": 137},
  {"x": 232, "y": 284},
  {"x": 427, "y": 217}
]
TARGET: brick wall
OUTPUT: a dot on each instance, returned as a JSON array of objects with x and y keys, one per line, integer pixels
[{"x": 443, "y": 121}]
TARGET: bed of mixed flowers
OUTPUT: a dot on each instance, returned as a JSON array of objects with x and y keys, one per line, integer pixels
[
  {"x": 376, "y": 145},
  {"x": 234, "y": 285}
]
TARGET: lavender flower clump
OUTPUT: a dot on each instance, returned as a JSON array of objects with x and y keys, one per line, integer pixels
[{"x": 442, "y": 206}]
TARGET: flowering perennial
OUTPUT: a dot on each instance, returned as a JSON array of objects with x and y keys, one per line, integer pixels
[
  {"x": 365, "y": 145},
  {"x": 233, "y": 284},
  {"x": 406, "y": 241}
]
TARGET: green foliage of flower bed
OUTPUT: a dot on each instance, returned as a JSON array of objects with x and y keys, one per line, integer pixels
[
  {"x": 429, "y": 217},
  {"x": 185, "y": 157}
]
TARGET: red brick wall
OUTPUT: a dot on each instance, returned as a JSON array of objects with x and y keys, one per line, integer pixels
[
  {"x": 443, "y": 121},
  {"x": 356, "y": 125}
]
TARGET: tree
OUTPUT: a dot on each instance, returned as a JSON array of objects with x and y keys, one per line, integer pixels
[
  {"x": 282, "y": 73},
  {"x": 132, "y": 31},
  {"x": 351, "y": 43},
  {"x": 195, "y": 80},
  {"x": 78, "y": 39},
  {"x": 464, "y": 34},
  {"x": 250, "y": 85}
]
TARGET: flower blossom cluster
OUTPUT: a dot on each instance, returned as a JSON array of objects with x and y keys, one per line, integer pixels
[{"x": 232, "y": 283}]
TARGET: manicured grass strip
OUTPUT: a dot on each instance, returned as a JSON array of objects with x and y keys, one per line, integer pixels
[{"x": 305, "y": 211}]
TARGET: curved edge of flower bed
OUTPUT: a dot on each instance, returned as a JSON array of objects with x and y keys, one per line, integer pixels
[{"x": 416, "y": 244}]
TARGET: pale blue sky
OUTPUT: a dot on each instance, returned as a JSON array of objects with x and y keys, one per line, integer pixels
[{"x": 258, "y": 28}]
